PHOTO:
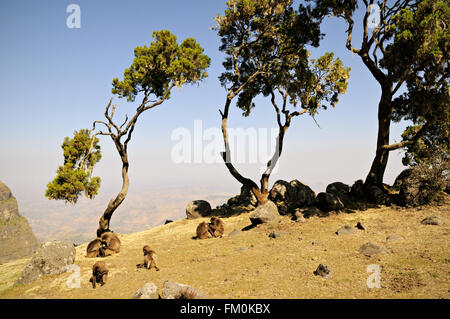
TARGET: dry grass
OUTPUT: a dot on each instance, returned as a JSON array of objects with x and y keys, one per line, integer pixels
[{"x": 253, "y": 265}]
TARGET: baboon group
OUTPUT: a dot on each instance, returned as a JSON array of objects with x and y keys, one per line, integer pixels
[
  {"x": 214, "y": 228},
  {"x": 109, "y": 244}
]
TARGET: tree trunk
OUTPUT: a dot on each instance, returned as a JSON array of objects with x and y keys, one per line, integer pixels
[
  {"x": 272, "y": 162},
  {"x": 115, "y": 202},
  {"x": 385, "y": 109},
  {"x": 227, "y": 159}
]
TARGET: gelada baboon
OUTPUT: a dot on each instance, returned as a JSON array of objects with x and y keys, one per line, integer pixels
[
  {"x": 203, "y": 231},
  {"x": 110, "y": 243},
  {"x": 150, "y": 259},
  {"x": 95, "y": 249},
  {"x": 216, "y": 227},
  {"x": 99, "y": 274}
]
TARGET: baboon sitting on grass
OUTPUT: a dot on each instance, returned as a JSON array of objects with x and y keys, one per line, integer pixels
[
  {"x": 203, "y": 231},
  {"x": 150, "y": 259},
  {"x": 216, "y": 227},
  {"x": 111, "y": 243},
  {"x": 95, "y": 249}
]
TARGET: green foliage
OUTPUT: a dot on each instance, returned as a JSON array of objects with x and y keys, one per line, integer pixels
[
  {"x": 269, "y": 38},
  {"x": 164, "y": 62},
  {"x": 434, "y": 142},
  {"x": 81, "y": 153},
  {"x": 427, "y": 99}
]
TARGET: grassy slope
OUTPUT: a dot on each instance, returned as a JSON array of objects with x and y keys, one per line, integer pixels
[{"x": 416, "y": 267}]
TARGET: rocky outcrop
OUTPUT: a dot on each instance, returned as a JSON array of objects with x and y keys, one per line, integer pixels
[
  {"x": 16, "y": 237},
  {"x": 52, "y": 258}
]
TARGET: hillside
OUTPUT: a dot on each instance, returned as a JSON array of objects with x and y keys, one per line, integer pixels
[{"x": 252, "y": 265}]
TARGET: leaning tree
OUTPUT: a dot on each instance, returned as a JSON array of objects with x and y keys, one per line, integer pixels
[
  {"x": 265, "y": 46},
  {"x": 155, "y": 71},
  {"x": 405, "y": 46}
]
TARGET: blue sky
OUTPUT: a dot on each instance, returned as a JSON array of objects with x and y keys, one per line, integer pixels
[{"x": 55, "y": 80}]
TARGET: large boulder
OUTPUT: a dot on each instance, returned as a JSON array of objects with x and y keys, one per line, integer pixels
[
  {"x": 51, "y": 258},
  {"x": 197, "y": 209},
  {"x": 16, "y": 237},
  {"x": 328, "y": 202},
  {"x": 292, "y": 195},
  {"x": 244, "y": 202},
  {"x": 265, "y": 213},
  {"x": 174, "y": 290},
  {"x": 341, "y": 190}
]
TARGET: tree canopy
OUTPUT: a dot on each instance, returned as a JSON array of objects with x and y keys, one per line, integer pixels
[
  {"x": 265, "y": 46},
  {"x": 407, "y": 50},
  {"x": 155, "y": 70}
]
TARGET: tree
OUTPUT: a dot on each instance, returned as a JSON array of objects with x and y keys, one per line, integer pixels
[
  {"x": 155, "y": 71},
  {"x": 407, "y": 48},
  {"x": 264, "y": 42}
]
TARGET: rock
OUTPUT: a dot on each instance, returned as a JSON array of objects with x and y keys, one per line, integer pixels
[
  {"x": 148, "y": 291},
  {"x": 394, "y": 237},
  {"x": 289, "y": 196},
  {"x": 361, "y": 226},
  {"x": 174, "y": 290},
  {"x": 370, "y": 249},
  {"x": 235, "y": 233},
  {"x": 247, "y": 197},
  {"x": 198, "y": 208},
  {"x": 168, "y": 221},
  {"x": 376, "y": 195},
  {"x": 328, "y": 202},
  {"x": 265, "y": 213},
  {"x": 316, "y": 242},
  {"x": 323, "y": 271},
  {"x": 432, "y": 220},
  {"x": 51, "y": 258},
  {"x": 340, "y": 190},
  {"x": 411, "y": 189},
  {"x": 278, "y": 234},
  {"x": 245, "y": 201},
  {"x": 357, "y": 189},
  {"x": 16, "y": 236},
  {"x": 313, "y": 211},
  {"x": 346, "y": 230}
]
